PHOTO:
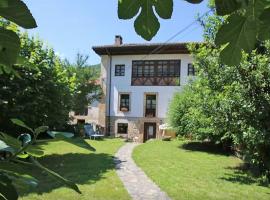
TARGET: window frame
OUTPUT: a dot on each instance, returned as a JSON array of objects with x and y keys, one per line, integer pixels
[
  {"x": 118, "y": 129},
  {"x": 157, "y": 71},
  {"x": 150, "y": 106},
  {"x": 156, "y": 94},
  {"x": 120, "y": 101},
  {"x": 121, "y": 71},
  {"x": 191, "y": 70}
]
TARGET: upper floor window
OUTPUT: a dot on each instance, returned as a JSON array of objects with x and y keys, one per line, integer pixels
[
  {"x": 119, "y": 70},
  {"x": 124, "y": 102},
  {"x": 156, "y": 72},
  {"x": 191, "y": 70},
  {"x": 150, "y": 105}
]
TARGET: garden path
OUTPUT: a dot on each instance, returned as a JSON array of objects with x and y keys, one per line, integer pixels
[{"x": 138, "y": 185}]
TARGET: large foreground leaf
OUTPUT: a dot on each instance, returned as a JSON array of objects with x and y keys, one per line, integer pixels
[
  {"x": 7, "y": 189},
  {"x": 225, "y": 7},
  {"x": 16, "y": 11},
  {"x": 264, "y": 32},
  {"x": 146, "y": 24},
  {"x": 4, "y": 147},
  {"x": 194, "y": 1},
  {"x": 239, "y": 34},
  {"x": 20, "y": 179},
  {"x": 21, "y": 124},
  {"x": 15, "y": 145},
  {"x": 3, "y": 3},
  {"x": 9, "y": 47},
  {"x": 127, "y": 9},
  {"x": 164, "y": 8},
  {"x": 10, "y": 141}
]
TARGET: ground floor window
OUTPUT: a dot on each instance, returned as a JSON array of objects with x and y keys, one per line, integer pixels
[{"x": 122, "y": 128}]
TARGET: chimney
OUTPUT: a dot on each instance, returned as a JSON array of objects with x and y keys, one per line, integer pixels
[{"x": 118, "y": 40}]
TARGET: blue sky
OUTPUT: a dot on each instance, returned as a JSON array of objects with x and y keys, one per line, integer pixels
[{"x": 71, "y": 26}]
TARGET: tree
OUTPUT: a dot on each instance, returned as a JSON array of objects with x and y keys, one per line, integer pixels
[
  {"x": 225, "y": 104},
  {"x": 41, "y": 94},
  {"x": 86, "y": 89}
]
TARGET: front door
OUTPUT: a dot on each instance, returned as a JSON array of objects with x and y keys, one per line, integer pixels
[{"x": 149, "y": 131}]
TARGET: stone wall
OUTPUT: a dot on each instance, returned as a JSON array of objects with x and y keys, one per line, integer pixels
[{"x": 135, "y": 127}]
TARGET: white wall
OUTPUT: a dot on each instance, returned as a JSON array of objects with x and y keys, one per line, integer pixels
[{"x": 122, "y": 84}]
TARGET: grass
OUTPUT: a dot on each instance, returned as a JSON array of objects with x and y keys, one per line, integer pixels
[
  {"x": 91, "y": 167},
  {"x": 186, "y": 171}
]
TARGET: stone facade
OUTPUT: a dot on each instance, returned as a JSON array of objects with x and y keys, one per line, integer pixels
[{"x": 135, "y": 127}]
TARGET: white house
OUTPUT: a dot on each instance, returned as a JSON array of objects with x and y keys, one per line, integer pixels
[{"x": 138, "y": 81}]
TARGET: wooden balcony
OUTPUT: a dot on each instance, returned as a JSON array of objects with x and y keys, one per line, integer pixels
[
  {"x": 155, "y": 81},
  {"x": 150, "y": 112}
]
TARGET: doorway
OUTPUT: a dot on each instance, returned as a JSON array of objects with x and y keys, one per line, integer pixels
[{"x": 149, "y": 131}]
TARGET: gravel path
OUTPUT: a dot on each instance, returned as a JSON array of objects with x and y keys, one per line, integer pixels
[{"x": 138, "y": 185}]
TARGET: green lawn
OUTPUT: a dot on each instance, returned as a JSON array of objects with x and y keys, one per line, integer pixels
[
  {"x": 93, "y": 170},
  {"x": 195, "y": 173}
]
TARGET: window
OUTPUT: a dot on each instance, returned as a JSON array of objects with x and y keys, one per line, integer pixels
[
  {"x": 119, "y": 70},
  {"x": 150, "y": 106},
  {"x": 124, "y": 102},
  {"x": 191, "y": 70},
  {"x": 122, "y": 128},
  {"x": 156, "y": 72}
]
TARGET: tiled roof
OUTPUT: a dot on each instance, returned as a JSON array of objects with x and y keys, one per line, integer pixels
[{"x": 144, "y": 48}]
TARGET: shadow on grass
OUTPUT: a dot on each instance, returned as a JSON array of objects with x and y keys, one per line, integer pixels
[
  {"x": 244, "y": 174},
  {"x": 241, "y": 174},
  {"x": 80, "y": 168},
  {"x": 238, "y": 176},
  {"x": 206, "y": 147},
  {"x": 79, "y": 142}
]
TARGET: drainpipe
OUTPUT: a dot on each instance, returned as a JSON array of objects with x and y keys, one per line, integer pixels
[{"x": 110, "y": 92}]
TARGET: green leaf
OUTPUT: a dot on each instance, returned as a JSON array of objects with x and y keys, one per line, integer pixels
[
  {"x": 164, "y": 8},
  {"x": 194, "y": 1},
  {"x": 41, "y": 129},
  {"x": 69, "y": 183},
  {"x": 10, "y": 141},
  {"x": 21, "y": 124},
  {"x": 9, "y": 48},
  {"x": 225, "y": 7},
  {"x": 20, "y": 179},
  {"x": 3, "y": 3},
  {"x": 17, "y": 12},
  {"x": 5, "y": 148},
  {"x": 264, "y": 29},
  {"x": 147, "y": 24},
  {"x": 7, "y": 69},
  {"x": 127, "y": 9},
  {"x": 239, "y": 34},
  {"x": 15, "y": 145},
  {"x": 256, "y": 8},
  {"x": 7, "y": 189}
]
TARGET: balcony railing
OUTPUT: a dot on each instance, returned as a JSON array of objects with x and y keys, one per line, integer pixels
[
  {"x": 155, "y": 81},
  {"x": 150, "y": 112}
]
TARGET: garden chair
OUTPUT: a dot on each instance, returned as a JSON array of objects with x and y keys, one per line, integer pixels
[{"x": 89, "y": 132}]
